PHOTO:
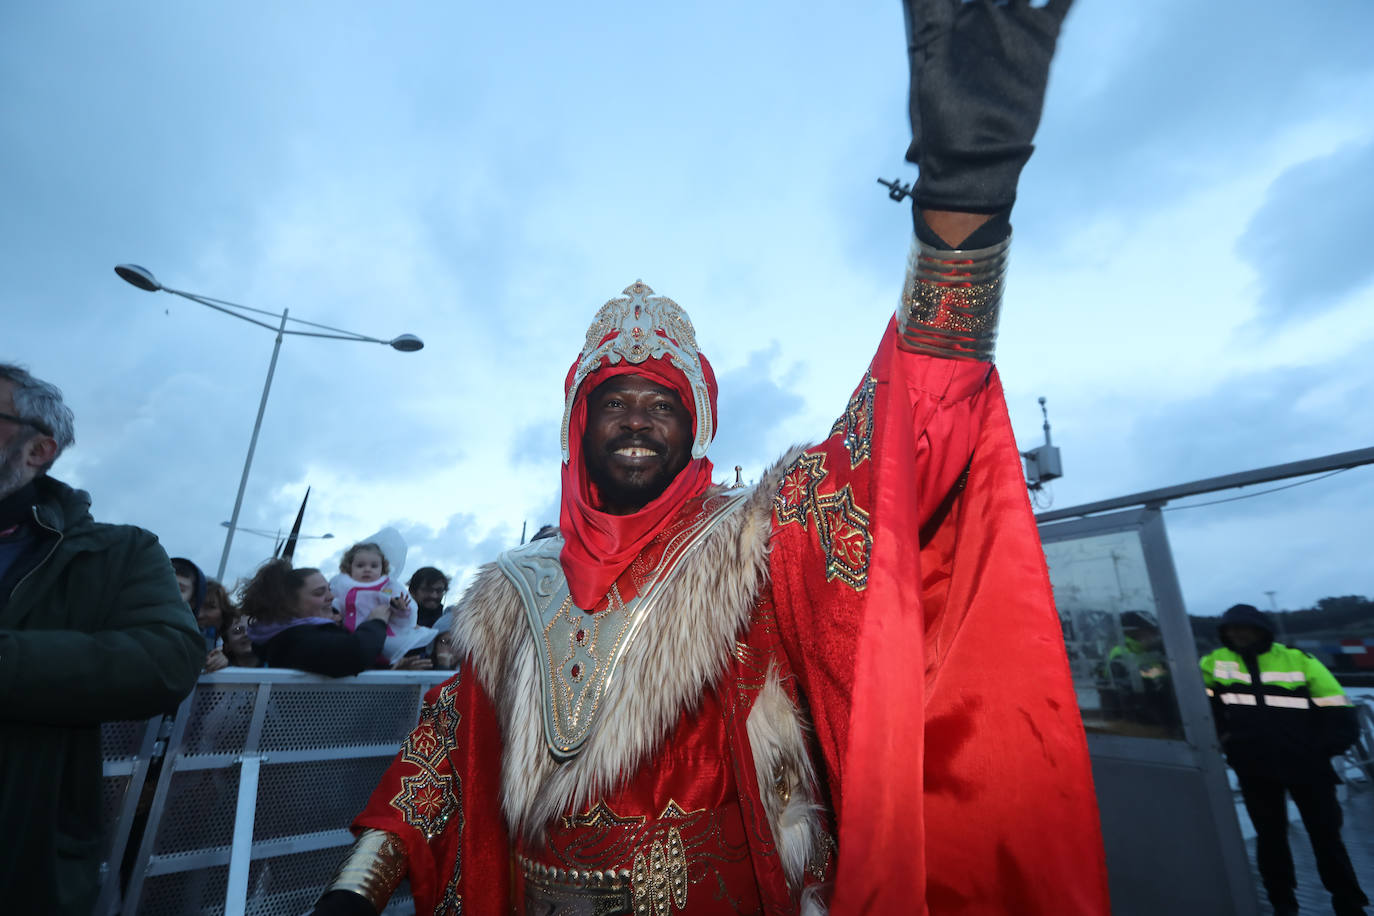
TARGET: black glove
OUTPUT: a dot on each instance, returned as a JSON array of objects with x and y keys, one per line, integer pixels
[
  {"x": 343, "y": 903},
  {"x": 978, "y": 75},
  {"x": 1340, "y": 728}
]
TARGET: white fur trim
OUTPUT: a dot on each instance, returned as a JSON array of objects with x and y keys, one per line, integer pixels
[
  {"x": 813, "y": 900},
  {"x": 778, "y": 742},
  {"x": 682, "y": 650}
]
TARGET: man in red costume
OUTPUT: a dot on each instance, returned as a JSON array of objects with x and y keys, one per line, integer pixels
[{"x": 780, "y": 699}]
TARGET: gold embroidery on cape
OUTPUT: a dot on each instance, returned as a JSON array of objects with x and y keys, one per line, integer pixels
[
  {"x": 601, "y": 815},
  {"x": 674, "y": 810},
  {"x": 427, "y": 799},
  {"x": 855, "y": 425},
  {"x": 821, "y": 857},
  {"x": 753, "y": 662},
  {"x": 658, "y": 879},
  {"x": 451, "y": 904},
  {"x": 841, "y": 526}
]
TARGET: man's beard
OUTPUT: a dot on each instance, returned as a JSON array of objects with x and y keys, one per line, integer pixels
[
  {"x": 635, "y": 493},
  {"x": 640, "y": 490},
  {"x": 12, "y": 471}
]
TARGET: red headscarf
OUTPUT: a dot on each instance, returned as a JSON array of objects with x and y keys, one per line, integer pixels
[{"x": 597, "y": 546}]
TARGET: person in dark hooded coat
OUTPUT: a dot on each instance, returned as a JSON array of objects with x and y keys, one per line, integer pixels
[
  {"x": 1281, "y": 717},
  {"x": 92, "y": 630}
]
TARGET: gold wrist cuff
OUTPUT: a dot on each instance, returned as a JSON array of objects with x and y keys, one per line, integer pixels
[
  {"x": 951, "y": 301},
  {"x": 374, "y": 867}
]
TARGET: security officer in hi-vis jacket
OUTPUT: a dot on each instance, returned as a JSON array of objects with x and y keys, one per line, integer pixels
[{"x": 1281, "y": 717}]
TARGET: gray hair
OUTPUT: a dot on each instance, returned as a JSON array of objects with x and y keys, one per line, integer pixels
[{"x": 41, "y": 403}]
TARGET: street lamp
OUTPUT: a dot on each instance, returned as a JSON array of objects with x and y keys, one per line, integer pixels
[
  {"x": 263, "y": 532},
  {"x": 144, "y": 280}
]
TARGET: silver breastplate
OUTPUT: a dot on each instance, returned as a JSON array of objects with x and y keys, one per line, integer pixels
[{"x": 580, "y": 651}]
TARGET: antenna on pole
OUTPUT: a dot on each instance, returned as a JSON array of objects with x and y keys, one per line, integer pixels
[
  {"x": 895, "y": 189},
  {"x": 1042, "y": 462}
]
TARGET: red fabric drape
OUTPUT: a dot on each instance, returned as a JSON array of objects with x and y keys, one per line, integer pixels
[
  {"x": 936, "y": 673},
  {"x": 934, "y": 670},
  {"x": 446, "y": 781}
]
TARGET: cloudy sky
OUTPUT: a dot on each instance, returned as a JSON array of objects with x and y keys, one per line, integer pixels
[{"x": 1189, "y": 290}]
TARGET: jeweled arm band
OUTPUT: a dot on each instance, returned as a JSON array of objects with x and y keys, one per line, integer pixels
[
  {"x": 374, "y": 867},
  {"x": 951, "y": 301}
]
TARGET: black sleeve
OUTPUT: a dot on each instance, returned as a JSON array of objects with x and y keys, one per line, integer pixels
[
  {"x": 343, "y": 903},
  {"x": 328, "y": 649},
  {"x": 1340, "y": 729},
  {"x": 1219, "y": 721}
]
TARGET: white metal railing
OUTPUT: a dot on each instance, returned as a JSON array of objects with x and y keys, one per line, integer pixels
[
  {"x": 247, "y": 810},
  {"x": 1356, "y": 766}
]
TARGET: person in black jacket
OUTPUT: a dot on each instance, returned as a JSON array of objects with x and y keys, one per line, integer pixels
[
  {"x": 292, "y": 625},
  {"x": 1281, "y": 717},
  {"x": 92, "y": 630}
]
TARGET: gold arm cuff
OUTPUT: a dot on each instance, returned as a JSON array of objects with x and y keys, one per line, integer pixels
[
  {"x": 951, "y": 301},
  {"x": 374, "y": 867}
]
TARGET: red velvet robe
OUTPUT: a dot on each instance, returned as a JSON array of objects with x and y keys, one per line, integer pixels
[{"x": 910, "y": 607}]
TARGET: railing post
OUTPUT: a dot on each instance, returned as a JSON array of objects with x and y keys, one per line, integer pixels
[{"x": 241, "y": 854}]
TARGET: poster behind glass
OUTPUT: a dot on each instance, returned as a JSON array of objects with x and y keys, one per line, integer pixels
[{"x": 1110, "y": 620}]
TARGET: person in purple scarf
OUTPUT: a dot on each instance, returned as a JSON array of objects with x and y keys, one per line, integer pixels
[{"x": 292, "y": 625}]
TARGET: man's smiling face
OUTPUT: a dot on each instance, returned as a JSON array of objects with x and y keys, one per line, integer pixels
[{"x": 638, "y": 437}]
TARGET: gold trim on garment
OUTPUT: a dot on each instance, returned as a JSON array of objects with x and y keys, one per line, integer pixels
[
  {"x": 374, "y": 867},
  {"x": 580, "y": 651},
  {"x": 951, "y": 301}
]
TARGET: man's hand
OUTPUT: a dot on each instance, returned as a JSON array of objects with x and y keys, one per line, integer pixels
[
  {"x": 978, "y": 74},
  {"x": 413, "y": 663}
]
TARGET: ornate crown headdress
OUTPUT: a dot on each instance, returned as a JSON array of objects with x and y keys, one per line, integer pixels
[{"x": 643, "y": 327}]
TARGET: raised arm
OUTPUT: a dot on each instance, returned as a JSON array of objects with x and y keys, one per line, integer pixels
[
  {"x": 904, "y": 556},
  {"x": 978, "y": 75}
]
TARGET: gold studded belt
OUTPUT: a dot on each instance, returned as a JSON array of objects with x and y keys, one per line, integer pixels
[{"x": 576, "y": 892}]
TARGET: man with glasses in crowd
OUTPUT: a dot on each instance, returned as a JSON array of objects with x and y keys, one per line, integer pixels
[
  {"x": 428, "y": 586},
  {"x": 92, "y": 629}
]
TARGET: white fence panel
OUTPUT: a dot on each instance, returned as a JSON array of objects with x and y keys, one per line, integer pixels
[{"x": 263, "y": 772}]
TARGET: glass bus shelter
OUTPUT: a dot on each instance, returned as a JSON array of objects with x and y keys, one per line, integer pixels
[{"x": 1169, "y": 824}]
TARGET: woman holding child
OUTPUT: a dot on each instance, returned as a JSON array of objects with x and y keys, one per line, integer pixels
[{"x": 293, "y": 624}]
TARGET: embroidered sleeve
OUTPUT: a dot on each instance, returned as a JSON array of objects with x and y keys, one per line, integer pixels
[
  {"x": 426, "y": 798},
  {"x": 824, "y": 507},
  {"x": 904, "y": 555}
]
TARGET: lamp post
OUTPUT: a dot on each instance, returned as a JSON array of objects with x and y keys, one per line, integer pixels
[
  {"x": 265, "y": 533},
  {"x": 144, "y": 280}
]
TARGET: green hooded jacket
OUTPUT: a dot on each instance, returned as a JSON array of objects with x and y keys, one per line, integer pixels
[{"x": 94, "y": 631}]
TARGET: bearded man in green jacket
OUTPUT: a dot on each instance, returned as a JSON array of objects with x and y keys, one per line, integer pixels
[{"x": 92, "y": 630}]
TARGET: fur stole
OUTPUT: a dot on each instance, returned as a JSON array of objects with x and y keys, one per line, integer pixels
[{"x": 685, "y": 647}]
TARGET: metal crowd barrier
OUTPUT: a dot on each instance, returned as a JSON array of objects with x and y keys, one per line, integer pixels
[
  {"x": 1358, "y": 762},
  {"x": 250, "y": 803}
]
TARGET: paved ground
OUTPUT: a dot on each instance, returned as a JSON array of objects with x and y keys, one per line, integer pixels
[{"x": 1359, "y": 841}]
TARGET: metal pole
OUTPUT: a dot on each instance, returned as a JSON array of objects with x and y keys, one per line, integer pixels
[
  {"x": 252, "y": 446},
  {"x": 1156, "y": 498},
  {"x": 241, "y": 846}
]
